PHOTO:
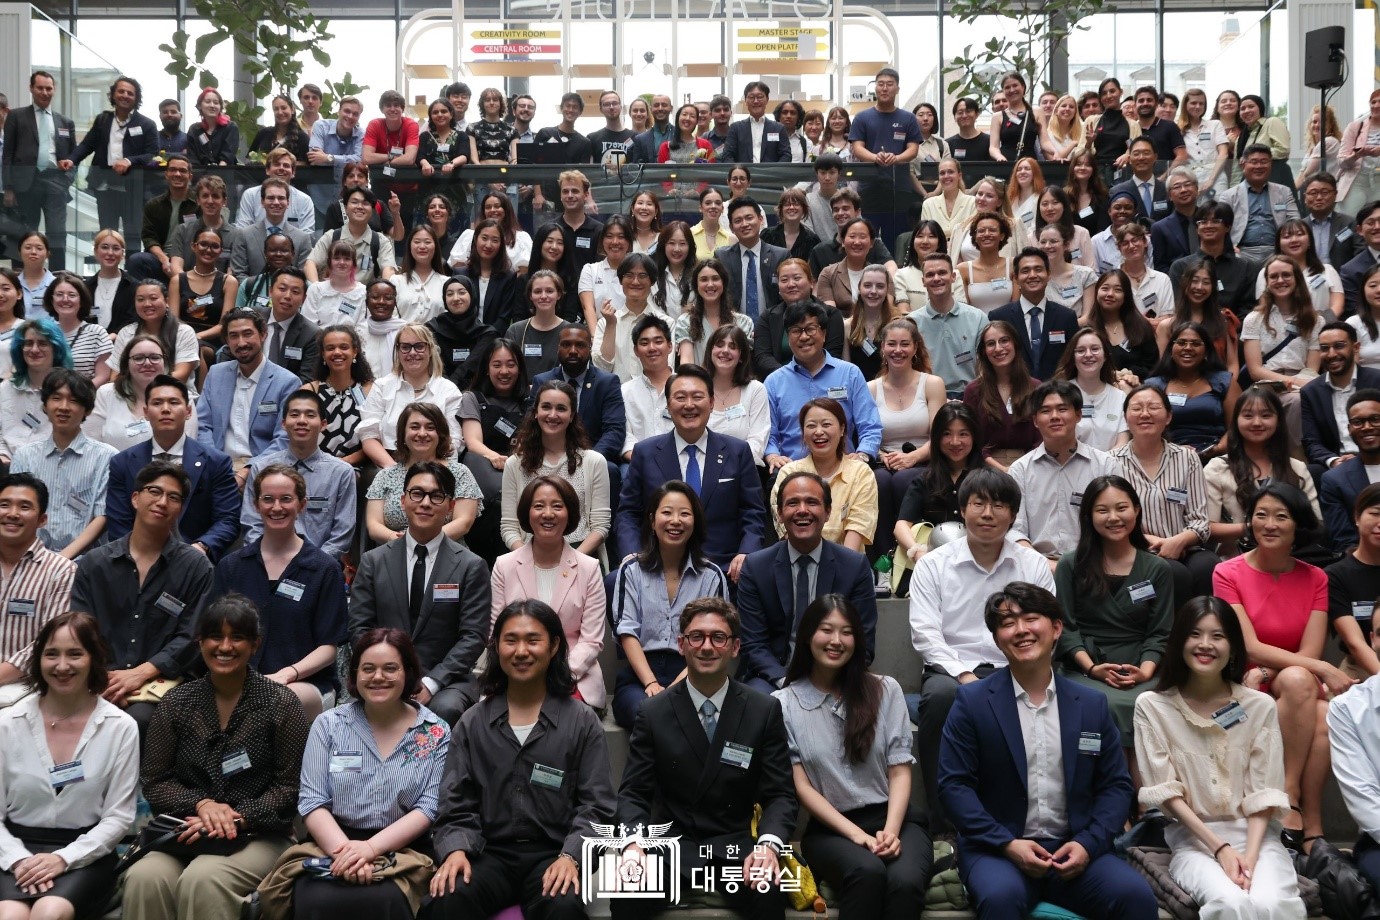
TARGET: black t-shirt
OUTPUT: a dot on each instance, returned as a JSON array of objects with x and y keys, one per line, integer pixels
[
  {"x": 1166, "y": 137},
  {"x": 577, "y": 146},
  {"x": 581, "y": 241},
  {"x": 966, "y": 149},
  {"x": 610, "y": 148},
  {"x": 1352, "y": 587}
]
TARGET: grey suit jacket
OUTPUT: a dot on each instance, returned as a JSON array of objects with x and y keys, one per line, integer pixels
[
  {"x": 453, "y": 622},
  {"x": 247, "y": 254},
  {"x": 1282, "y": 206},
  {"x": 21, "y": 147},
  {"x": 772, "y": 256}
]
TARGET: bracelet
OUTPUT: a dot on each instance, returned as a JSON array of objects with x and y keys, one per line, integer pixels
[
  {"x": 1220, "y": 849},
  {"x": 648, "y": 684},
  {"x": 571, "y": 858},
  {"x": 296, "y": 674}
]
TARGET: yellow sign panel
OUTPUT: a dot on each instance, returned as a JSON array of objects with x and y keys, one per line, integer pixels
[
  {"x": 768, "y": 47},
  {"x": 780, "y": 33},
  {"x": 513, "y": 34}
]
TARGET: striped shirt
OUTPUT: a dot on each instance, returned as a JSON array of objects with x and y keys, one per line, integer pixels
[
  {"x": 89, "y": 344},
  {"x": 642, "y": 610},
  {"x": 76, "y": 476},
  {"x": 38, "y": 588},
  {"x": 343, "y": 772},
  {"x": 1175, "y": 499}
]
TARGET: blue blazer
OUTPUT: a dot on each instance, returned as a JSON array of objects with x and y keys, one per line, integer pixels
[
  {"x": 1321, "y": 439},
  {"x": 276, "y": 384},
  {"x": 601, "y": 409},
  {"x": 210, "y": 514},
  {"x": 1169, "y": 241},
  {"x": 1337, "y": 495},
  {"x": 1057, "y": 318},
  {"x": 738, "y": 147},
  {"x": 644, "y": 148},
  {"x": 1351, "y": 273},
  {"x": 731, "y": 492},
  {"x": 765, "y": 591},
  {"x": 982, "y": 770}
]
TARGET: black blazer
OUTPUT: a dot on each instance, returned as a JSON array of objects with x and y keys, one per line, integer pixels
[
  {"x": 674, "y": 773},
  {"x": 1352, "y": 271},
  {"x": 448, "y": 634},
  {"x": 122, "y": 309},
  {"x": 770, "y": 349},
  {"x": 771, "y": 257},
  {"x": 738, "y": 147},
  {"x": 1321, "y": 439},
  {"x": 302, "y": 334},
  {"x": 140, "y": 149},
  {"x": 1160, "y": 198},
  {"x": 1057, "y": 319},
  {"x": 21, "y": 147},
  {"x": 500, "y": 307},
  {"x": 1169, "y": 240}
]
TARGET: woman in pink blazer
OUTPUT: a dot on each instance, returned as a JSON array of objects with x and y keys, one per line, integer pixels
[{"x": 549, "y": 569}]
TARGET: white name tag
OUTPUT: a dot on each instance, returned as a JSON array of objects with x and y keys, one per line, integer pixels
[
  {"x": 347, "y": 762},
  {"x": 1361, "y": 610},
  {"x": 1318, "y": 281},
  {"x": 291, "y": 589},
  {"x": 18, "y": 607},
  {"x": 78, "y": 503},
  {"x": 963, "y": 357},
  {"x": 1076, "y": 499},
  {"x": 1176, "y": 496},
  {"x": 1086, "y": 212},
  {"x": 389, "y": 171},
  {"x": 32, "y": 421},
  {"x": 1001, "y": 284},
  {"x": 347, "y": 309},
  {"x": 1178, "y": 399},
  {"x": 838, "y": 392},
  {"x": 734, "y": 412},
  {"x": 1087, "y": 412},
  {"x": 868, "y": 348},
  {"x": 318, "y": 503},
  {"x": 773, "y": 138},
  {"x": 1056, "y": 337},
  {"x": 235, "y": 762},
  {"x": 505, "y": 428},
  {"x": 1090, "y": 743},
  {"x": 582, "y": 242},
  {"x": 530, "y": 351},
  {"x": 736, "y": 755},
  {"x": 134, "y": 131},
  {"x": 1344, "y": 235},
  {"x": 1142, "y": 592},
  {"x": 549, "y": 777},
  {"x": 135, "y": 429},
  {"x": 1150, "y": 300},
  {"x": 292, "y": 353},
  {"x": 205, "y": 300},
  {"x": 65, "y": 774},
  {"x": 1231, "y": 714},
  {"x": 445, "y": 593},
  {"x": 459, "y": 354},
  {"x": 268, "y": 408},
  {"x": 962, "y": 154}
]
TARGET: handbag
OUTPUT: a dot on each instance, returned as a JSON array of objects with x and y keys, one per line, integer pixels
[{"x": 160, "y": 836}]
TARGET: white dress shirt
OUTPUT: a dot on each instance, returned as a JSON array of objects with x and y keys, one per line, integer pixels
[
  {"x": 327, "y": 306},
  {"x": 1052, "y": 492},
  {"x": 378, "y": 418},
  {"x": 418, "y": 301},
  {"x": 701, "y": 446},
  {"x": 757, "y": 125},
  {"x": 646, "y": 411},
  {"x": 115, "y": 151},
  {"x": 1339, "y": 397},
  {"x": 625, "y": 363},
  {"x": 947, "y": 595},
  {"x": 755, "y": 278},
  {"x": 1353, "y": 723},
  {"x": 1046, "y": 809},
  {"x": 236, "y": 442}
]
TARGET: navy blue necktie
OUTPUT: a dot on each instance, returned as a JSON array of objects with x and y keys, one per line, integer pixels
[{"x": 1037, "y": 344}]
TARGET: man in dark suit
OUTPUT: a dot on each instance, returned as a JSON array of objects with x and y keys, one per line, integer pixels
[
  {"x": 1352, "y": 271},
  {"x": 431, "y": 588},
  {"x": 1043, "y": 326},
  {"x": 209, "y": 517},
  {"x": 1143, "y": 184},
  {"x": 119, "y": 185},
  {"x": 1176, "y": 236},
  {"x": 1324, "y": 397},
  {"x": 753, "y": 293},
  {"x": 777, "y": 583},
  {"x": 292, "y": 338},
  {"x": 1023, "y": 841},
  {"x": 729, "y": 489},
  {"x": 1341, "y": 484},
  {"x": 757, "y": 138},
  {"x": 647, "y": 145},
  {"x": 247, "y": 254},
  {"x": 700, "y": 756},
  {"x": 37, "y": 141},
  {"x": 598, "y": 394},
  {"x": 1334, "y": 233}
]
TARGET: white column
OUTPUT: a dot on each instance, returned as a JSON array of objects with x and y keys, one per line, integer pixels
[
  {"x": 1303, "y": 16},
  {"x": 14, "y": 51}
]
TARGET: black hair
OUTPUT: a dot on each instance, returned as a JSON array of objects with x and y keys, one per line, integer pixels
[
  {"x": 445, "y": 479},
  {"x": 1307, "y": 528},
  {"x": 650, "y": 555},
  {"x": 1173, "y": 671},
  {"x": 860, "y": 691},
  {"x": 990, "y": 485},
  {"x": 1090, "y": 573},
  {"x": 1029, "y": 598},
  {"x": 233, "y": 610},
  {"x": 27, "y": 481},
  {"x": 559, "y": 681},
  {"x": 803, "y": 474},
  {"x": 79, "y": 385}
]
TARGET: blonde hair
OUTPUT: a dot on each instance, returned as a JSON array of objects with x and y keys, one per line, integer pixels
[
  {"x": 1075, "y": 128},
  {"x": 435, "y": 368},
  {"x": 107, "y": 234}
]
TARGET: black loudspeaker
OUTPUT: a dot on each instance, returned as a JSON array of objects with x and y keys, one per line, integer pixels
[{"x": 1323, "y": 53}]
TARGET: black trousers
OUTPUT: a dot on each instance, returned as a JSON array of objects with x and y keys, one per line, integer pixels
[
  {"x": 868, "y": 887},
  {"x": 937, "y": 692},
  {"x": 47, "y": 197},
  {"x": 504, "y": 875}
]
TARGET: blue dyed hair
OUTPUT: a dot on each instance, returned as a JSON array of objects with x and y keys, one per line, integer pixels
[{"x": 48, "y": 328}]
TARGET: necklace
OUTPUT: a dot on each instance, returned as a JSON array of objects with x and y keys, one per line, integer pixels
[
  {"x": 53, "y": 723},
  {"x": 201, "y": 274}
]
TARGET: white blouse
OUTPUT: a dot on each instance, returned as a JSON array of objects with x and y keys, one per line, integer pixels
[
  {"x": 108, "y": 751},
  {"x": 519, "y": 254},
  {"x": 21, "y": 417},
  {"x": 113, "y": 421},
  {"x": 379, "y": 416},
  {"x": 601, "y": 279},
  {"x": 419, "y": 301},
  {"x": 749, "y": 420},
  {"x": 327, "y": 306}
]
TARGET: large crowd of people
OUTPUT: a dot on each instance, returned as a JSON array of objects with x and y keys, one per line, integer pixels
[{"x": 1116, "y": 440}]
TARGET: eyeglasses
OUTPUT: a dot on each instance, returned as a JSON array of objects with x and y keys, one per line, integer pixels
[
  {"x": 145, "y": 359},
  {"x": 807, "y": 329},
  {"x": 696, "y": 639},
  {"x": 637, "y": 276},
  {"x": 1369, "y": 421},
  {"x": 157, "y": 492},
  {"x": 35, "y": 345},
  {"x": 1188, "y": 343},
  {"x": 418, "y": 496},
  {"x": 983, "y": 504},
  {"x": 417, "y": 347},
  {"x": 388, "y": 670},
  {"x": 284, "y": 500}
]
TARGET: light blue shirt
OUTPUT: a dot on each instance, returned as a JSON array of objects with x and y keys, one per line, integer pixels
[
  {"x": 301, "y": 213},
  {"x": 952, "y": 340},
  {"x": 76, "y": 479},
  {"x": 791, "y": 387},
  {"x": 327, "y": 139},
  {"x": 381, "y": 790},
  {"x": 641, "y": 609},
  {"x": 328, "y": 523}
]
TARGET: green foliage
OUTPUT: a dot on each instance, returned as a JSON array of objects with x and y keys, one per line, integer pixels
[
  {"x": 335, "y": 90},
  {"x": 270, "y": 34},
  {"x": 1041, "y": 27}
]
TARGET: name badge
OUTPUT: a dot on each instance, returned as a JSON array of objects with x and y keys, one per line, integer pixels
[
  {"x": 1090, "y": 743},
  {"x": 347, "y": 309},
  {"x": 389, "y": 171},
  {"x": 1086, "y": 212},
  {"x": 1159, "y": 206},
  {"x": 205, "y": 300},
  {"x": 233, "y": 762},
  {"x": 773, "y": 138},
  {"x": 459, "y": 354},
  {"x": 205, "y": 138},
  {"x": 261, "y": 301},
  {"x": 443, "y": 148},
  {"x": 291, "y": 589},
  {"x": 1361, "y": 610},
  {"x": 1176, "y": 496},
  {"x": 549, "y": 777},
  {"x": 1056, "y": 337},
  {"x": 65, "y": 774},
  {"x": 898, "y": 135},
  {"x": 64, "y": 132},
  {"x": 31, "y": 420},
  {"x": 736, "y": 755},
  {"x": 135, "y": 429},
  {"x": 318, "y": 503},
  {"x": 1204, "y": 137},
  {"x": 1150, "y": 300},
  {"x": 169, "y": 605},
  {"x": 531, "y": 351},
  {"x": 78, "y": 503},
  {"x": 582, "y": 242},
  {"x": 347, "y": 762},
  {"x": 1318, "y": 281},
  {"x": 268, "y": 408},
  {"x": 1279, "y": 206},
  {"x": 1075, "y": 254},
  {"x": 1001, "y": 284},
  {"x": 1344, "y": 235},
  {"x": 733, "y": 412},
  {"x": 505, "y": 428},
  {"x": 445, "y": 593},
  {"x": 1231, "y": 714},
  {"x": 1178, "y": 399},
  {"x": 962, "y": 154},
  {"x": 1220, "y": 285},
  {"x": 134, "y": 131},
  {"x": 868, "y": 348},
  {"x": 838, "y": 392},
  {"x": 1143, "y": 591},
  {"x": 395, "y": 151},
  {"x": 1087, "y": 411},
  {"x": 292, "y": 353},
  {"x": 1076, "y": 499},
  {"x": 963, "y": 357},
  {"x": 18, "y": 607}
]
